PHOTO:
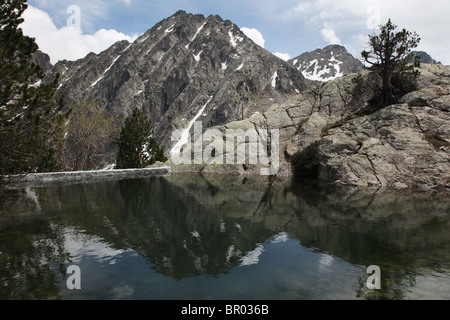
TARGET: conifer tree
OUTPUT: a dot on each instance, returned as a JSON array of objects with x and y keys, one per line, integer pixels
[
  {"x": 389, "y": 54},
  {"x": 137, "y": 146},
  {"x": 30, "y": 119}
]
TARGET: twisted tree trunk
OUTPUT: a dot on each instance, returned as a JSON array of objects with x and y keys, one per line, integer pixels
[{"x": 387, "y": 95}]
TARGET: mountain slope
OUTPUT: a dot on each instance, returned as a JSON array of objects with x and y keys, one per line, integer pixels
[
  {"x": 327, "y": 64},
  {"x": 183, "y": 65}
]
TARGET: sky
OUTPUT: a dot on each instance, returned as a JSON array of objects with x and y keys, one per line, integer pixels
[{"x": 70, "y": 29}]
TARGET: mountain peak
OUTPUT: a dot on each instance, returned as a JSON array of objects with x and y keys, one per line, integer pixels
[
  {"x": 337, "y": 47},
  {"x": 175, "y": 67},
  {"x": 179, "y": 13},
  {"x": 328, "y": 63},
  {"x": 425, "y": 57}
]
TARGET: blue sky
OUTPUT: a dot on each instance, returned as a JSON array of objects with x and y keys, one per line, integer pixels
[{"x": 288, "y": 27}]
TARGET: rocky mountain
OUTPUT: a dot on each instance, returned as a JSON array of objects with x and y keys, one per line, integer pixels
[
  {"x": 327, "y": 64},
  {"x": 425, "y": 57},
  {"x": 186, "y": 67},
  {"x": 42, "y": 59}
]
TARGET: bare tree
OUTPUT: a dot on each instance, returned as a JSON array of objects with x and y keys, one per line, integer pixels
[{"x": 91, "y": 134}]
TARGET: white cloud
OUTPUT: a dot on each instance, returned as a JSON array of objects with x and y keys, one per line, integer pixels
[
  {"x": 303, "y": 7},
  {"x": 67, "y": 42},
  {"x": 284, "y": 56},
  {"x": 255, "y": 35},
  {"x": 348, "y": 18},
  {"x": 329, "y": 35}
]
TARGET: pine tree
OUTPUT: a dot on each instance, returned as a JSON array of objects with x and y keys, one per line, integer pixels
[
  {"x": 30, "y": 119},
  {"x": 137, "y": 146},
  {"x": 389, "y": 54}
]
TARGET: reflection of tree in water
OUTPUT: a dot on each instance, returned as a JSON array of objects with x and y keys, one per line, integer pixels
[{"x": 31, "y": 253}]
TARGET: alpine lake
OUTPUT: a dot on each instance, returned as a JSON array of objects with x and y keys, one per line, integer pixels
[{"x": 193, "y": 237}]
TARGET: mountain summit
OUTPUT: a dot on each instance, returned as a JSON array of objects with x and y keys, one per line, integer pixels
[
  {"x": 425, "y": 57},
  {"x": 186, "y": 67},
  {"x": 327, "y": 64}
]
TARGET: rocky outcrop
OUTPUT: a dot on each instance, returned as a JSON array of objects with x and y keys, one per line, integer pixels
[
  {"x": 400, "y": 146},
  {"x": 42, "y": 59}
]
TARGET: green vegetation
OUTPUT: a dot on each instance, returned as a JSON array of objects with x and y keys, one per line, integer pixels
[
  {"x": 38, "y": 134},
  {"x": 137, "y": 147},
  {"x": 389, "y": 55},
  {"x": 305, "y": 163},
  {"x": 31, "y": 121},
  {"x": 358, "y": 81}
]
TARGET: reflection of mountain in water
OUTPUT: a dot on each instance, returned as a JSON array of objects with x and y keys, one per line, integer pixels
[{"x": 191, "y": 225}]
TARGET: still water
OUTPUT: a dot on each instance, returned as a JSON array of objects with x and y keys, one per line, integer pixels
[{"x": 192, "y": 237}]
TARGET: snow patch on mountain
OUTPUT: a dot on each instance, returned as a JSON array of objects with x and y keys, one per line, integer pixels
[
  {"x": 274, "y": 79},
  {"x": 197, "y": 57},
  {"x": 101, "y": 77},
  {"x": 196, "y": 34},
  {"x": 234, "y": 39},
  {"x": 170, "y": 29},
  {"x": 318, "y": 71},
  {"x": 184, "y": 139},
  {"x": 327, "y": 64}
]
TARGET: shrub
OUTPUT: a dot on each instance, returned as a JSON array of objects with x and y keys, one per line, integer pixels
[{"x": 305, "y": 163}]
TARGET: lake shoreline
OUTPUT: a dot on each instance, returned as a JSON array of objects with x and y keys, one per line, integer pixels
[
  {"x": 39, "y": 179},
  {"x": 89, "y": 176}
]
